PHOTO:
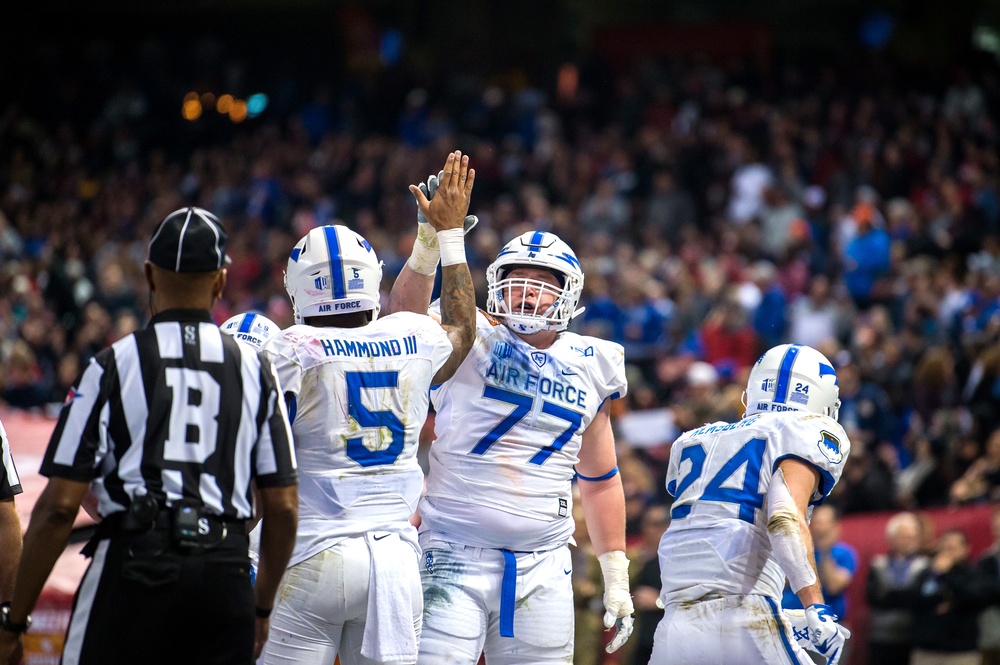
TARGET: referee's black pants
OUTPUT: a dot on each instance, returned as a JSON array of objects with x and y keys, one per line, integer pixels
[{"x": 144, "y": 601}]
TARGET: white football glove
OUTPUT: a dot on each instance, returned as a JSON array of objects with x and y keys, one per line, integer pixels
[
  {"x": 618, "y": 607},
  {"x": 825, "y": 636}
]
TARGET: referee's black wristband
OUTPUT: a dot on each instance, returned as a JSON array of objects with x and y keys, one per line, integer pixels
[{"x": 262, "y": 613}]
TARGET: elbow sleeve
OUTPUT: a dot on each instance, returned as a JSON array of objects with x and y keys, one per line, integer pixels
[{"x": 785, "y": 526}]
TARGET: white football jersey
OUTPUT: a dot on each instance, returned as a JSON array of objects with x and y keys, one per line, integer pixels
[
  {"x": 509, "y": 426},
  {"x": 717, "y": 542},
  {"x": 357, "y": 398}
]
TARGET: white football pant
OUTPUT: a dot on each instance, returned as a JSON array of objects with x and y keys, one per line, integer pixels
[
  {"x": 470, "y": 606},
  {"x": 731, "y": 630},
  {"x": 323, "y": 601}
]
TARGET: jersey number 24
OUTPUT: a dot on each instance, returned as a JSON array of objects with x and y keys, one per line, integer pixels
[{"x": 747, "y": 497}]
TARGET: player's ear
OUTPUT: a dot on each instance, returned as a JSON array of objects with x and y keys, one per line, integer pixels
[
  {"x": 220, "y": 284},
  {"x": 147, "y": 269}
]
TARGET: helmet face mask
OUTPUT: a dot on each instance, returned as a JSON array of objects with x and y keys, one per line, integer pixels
[
  {"x": 333, "y": 270},
  {"x": 529, "y": 303},
  {"x": 793, "y": 377}
]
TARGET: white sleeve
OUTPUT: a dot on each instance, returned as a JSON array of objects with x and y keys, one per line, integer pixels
[
  {"x": 784, "y": 528},
  {"x": 611, "y": 357}
]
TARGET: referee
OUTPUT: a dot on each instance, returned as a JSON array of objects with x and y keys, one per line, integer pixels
[
  {"x": 171, "y": 427},
  {"x": 10, "y": 524}
]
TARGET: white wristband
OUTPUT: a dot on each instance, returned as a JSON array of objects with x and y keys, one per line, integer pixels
[
  {"x": 452, "y": 245},
  {"x": 425, "y": 255}
]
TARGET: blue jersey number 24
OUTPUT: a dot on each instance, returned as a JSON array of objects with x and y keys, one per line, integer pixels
[{"x": 747, "y": 496}]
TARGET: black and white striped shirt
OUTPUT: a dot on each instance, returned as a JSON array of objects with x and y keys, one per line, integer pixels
[
  {"x": 10, "y": 484},
  {"x": 178, "y": 410}
]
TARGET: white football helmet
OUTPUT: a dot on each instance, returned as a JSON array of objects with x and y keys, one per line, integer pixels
[
  {"x": 252, "y": 328},
  {"x": 333, "y": 270},
  {"x": 793, "y": 377},
  {"x": 535, "y": 249}
]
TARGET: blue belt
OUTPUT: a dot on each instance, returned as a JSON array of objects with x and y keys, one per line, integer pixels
[{"x": 508, "y": 594}]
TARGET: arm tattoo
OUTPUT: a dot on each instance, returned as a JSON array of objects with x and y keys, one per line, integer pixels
[{"x": 458, "y": 314}]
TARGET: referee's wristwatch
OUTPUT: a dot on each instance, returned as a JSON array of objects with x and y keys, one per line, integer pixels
[{"x": 8, "y": 625}]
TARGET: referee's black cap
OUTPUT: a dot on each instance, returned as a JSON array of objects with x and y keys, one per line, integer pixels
[{"x": 189, "y": 240}]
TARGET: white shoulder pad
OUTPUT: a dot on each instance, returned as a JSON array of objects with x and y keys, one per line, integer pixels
[{"x": 814, "y": 438}]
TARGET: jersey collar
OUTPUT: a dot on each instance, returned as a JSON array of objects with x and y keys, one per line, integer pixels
[{"x": 202, "y": 315}]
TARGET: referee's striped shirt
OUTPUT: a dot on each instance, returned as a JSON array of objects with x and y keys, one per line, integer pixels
[
  {"x": 178, "y": 410},
  {"x": 10, "y": 484}
]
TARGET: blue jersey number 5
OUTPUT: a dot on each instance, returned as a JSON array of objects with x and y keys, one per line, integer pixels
[
  {"x": 747, "y": 497},
  {"x": 356, "y": 450}
]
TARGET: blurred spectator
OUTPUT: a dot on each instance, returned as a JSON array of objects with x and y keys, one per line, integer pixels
[
  {"x": 866, "y": 258},
  {"x": 670, "y": 210},
  {"x": 20, "y": 384},
  {"x": 770, "y": 314},
  {"x": 727, "y": 337},
  {"x": 982, "y": 481},
  {"x": 777, "y": 215},
  {"x": 946, "y": 598},
  {"x": 890, "y": 574},
  {"x": 702, "y": 392},
  {"x": 924, "y": 482},
  {"x": 865, "y": 412},
  {"x": 989, "y": 620},
  {"x": 605, "y": 211},
  {"x": 815, "y": 318}
]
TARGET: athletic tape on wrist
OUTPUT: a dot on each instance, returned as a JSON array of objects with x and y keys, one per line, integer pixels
[
  {"x": 452, "y": 245},
  {"x": 425, "y": 255}
]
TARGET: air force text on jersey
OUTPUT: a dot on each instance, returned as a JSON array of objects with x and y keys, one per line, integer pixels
[{"x": 519, "y": 378}]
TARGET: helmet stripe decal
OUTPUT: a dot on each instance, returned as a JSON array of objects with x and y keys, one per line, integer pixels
[
  {"x": 785, "y": 373},
  {"x": 336, "y": 265},
  {"x": 247, "y": 322},
  {"x": 827, "y": 370},
  {"x": 535, "y": 244}
]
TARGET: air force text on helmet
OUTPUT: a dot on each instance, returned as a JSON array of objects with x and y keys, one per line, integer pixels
[{"x": 345, "y": 306}]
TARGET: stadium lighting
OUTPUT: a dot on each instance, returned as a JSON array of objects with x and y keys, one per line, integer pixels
[
  {"x": 225, "y": 104},
  {"x": 256, "y": 104}
]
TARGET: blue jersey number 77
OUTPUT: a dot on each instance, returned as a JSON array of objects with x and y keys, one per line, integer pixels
[{"x": 522, "y": 407}]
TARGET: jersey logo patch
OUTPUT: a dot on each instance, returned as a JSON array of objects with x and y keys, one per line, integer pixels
[
  {"x": 586, "y": 353},
  {"x": 70, "y": 396},
  {"x": 503, "y": 350},
  {"x": 539, "y": 358},
  {"x": 829, "y": 445}
]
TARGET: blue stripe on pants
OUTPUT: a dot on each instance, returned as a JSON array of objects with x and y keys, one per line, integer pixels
[
  {"x": 781, "y": 632},
  {"x": 508, "y": 594}
]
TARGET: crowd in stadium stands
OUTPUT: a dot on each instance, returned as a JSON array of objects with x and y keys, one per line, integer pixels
[{"x": 717, "y": 210}]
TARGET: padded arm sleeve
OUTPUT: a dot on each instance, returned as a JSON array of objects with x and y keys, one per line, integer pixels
[{"x": 784, "y": 527}]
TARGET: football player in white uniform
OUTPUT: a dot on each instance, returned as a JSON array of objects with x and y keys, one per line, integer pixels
[
  {"x": 739, "y": 522},
  {"x": 357, "y": 388},
  {"x": 526, "y": 412},
  {"x": 254, "y": 330}
]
